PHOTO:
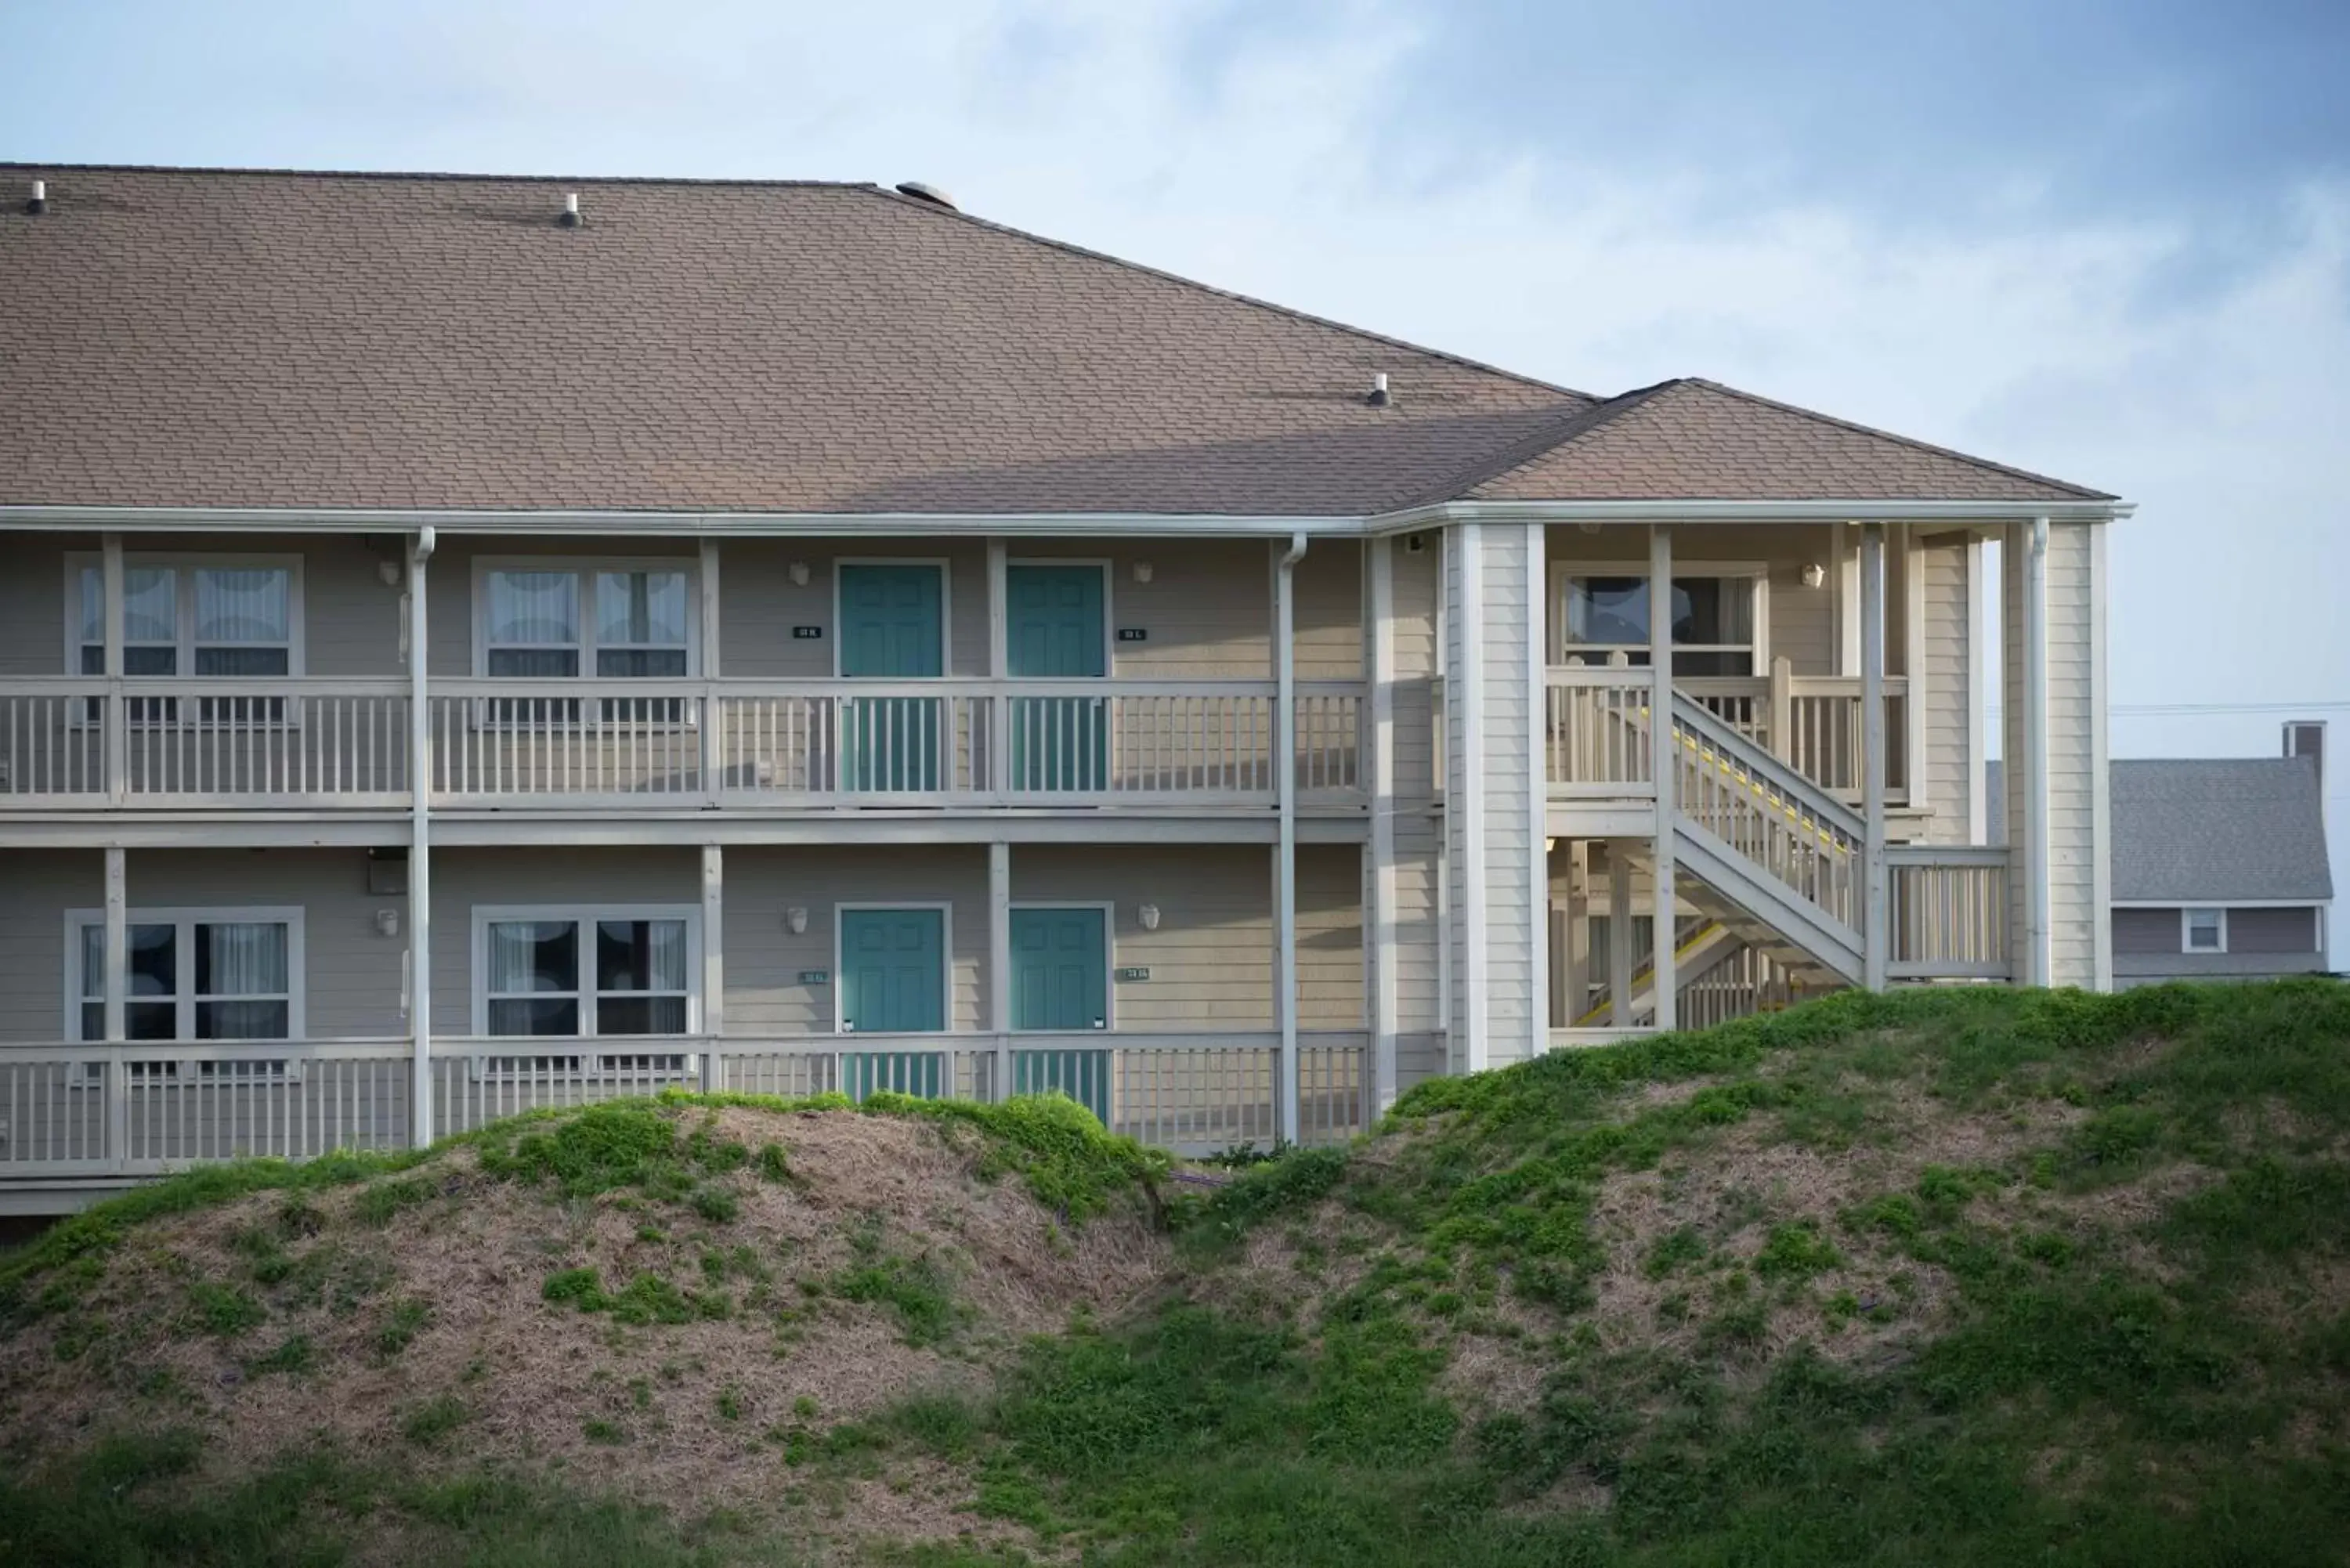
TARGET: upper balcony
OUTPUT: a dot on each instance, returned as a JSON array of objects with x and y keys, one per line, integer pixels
[{"x": 615, "y": 745}]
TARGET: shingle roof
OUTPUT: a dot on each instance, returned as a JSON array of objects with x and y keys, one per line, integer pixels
[
  {"x": 2215, "y": 831},
  {"x": 183, "y": 338},
  {"x": 1699, "y": 439}
]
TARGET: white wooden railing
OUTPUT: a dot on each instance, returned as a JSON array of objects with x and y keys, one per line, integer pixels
[
  {"x": 498, "y": 742},
  {"x": 1950, "y": 912},
  {"x": 1596, "y": 739},
  {"x": 82, "y": 1110}
]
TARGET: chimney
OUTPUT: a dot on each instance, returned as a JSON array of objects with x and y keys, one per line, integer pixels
[{"x": 2306, "y": 738}]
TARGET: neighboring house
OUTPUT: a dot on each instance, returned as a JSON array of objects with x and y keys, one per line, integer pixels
[
  {"x": 459, "y": 654},
  {"x": 2219, "y": 866}
]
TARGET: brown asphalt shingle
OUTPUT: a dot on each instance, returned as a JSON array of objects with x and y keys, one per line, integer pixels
[{"x": 267, "y": 339}]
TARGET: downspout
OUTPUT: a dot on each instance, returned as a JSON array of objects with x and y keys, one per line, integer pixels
[
  {"x": 2039, "y": 965},
  {"x": 420, "y": 852},
  {"x": 1284, "y": 917}
]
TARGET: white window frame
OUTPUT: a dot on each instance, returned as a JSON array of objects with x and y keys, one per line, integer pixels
[
  {"x": 185, "y": 565},
  {"x": 1757, "y": 575},
  {"x": 1001, "y": 658},
  {"x": 945, "y": 568},
  {"x": 584, "y": 569},
  {"x": 946, "y": 957},
  {"x": 184, "y": 920},
  {"x": 1110, "y": 956},
  {"x": 2187, "y": 928},
  {"x": 585, "y": 915}
]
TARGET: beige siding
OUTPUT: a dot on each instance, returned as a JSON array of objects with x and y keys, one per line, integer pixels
[
  {"x": 351, "y": 617},
  {"x": 759, "y": 603},
  {"x": 452, "y": 612},
  {"x": 1419, "y": 827},
  {"x": 351, "y": 973},
  {"x": 1207, "y": 609},
  {"x": 765, "y": 959},
  {"x": 1946, "y": 642}
]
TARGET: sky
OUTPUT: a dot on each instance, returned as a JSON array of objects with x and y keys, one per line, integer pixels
[{"x": 2107, "y": 241}]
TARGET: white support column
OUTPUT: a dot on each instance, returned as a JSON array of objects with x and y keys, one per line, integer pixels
[
  {"x": 1380, "y": 654},
  {"x": 117, "y": 984},
  {"x": 1578, "y": 932},
  {"x": 420, "y": 851},
  {"x": 999, "y": 749},
  {"x": 1875, "y": 906},
  {"x": 999, "y": 960},
  {"x": 2033, "y": 775},
  {"x": 118, "y": 944},
  {"x": 1619, "y": 936},
  {"x": 713, "y": 966},
  {"x": 1285, "y": 869},
  {"x": 1978, "y": 696},
  {"x": 713, "y": 759},
  {"x": 1666, "y": 980},
  {"x": 115, "y": 733},
  {"x": 1537, "y": 806},
  {"x": 1917, "y": 697}
]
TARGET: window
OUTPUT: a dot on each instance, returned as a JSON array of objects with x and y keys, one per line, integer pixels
[
  {"x": 195, "y": 975},
  {"x": 211, "y": 618},
  {"x": 2204, "y": 930},
  {"x": 562, "y": 622},
  {"x": 1714, "y": 621},
  {"x": 584, "y": 973}
]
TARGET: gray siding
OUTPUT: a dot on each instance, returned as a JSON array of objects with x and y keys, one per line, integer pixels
[
  {"x": 2272, "y": 930},
  {"x": 2146, "y": 932}
]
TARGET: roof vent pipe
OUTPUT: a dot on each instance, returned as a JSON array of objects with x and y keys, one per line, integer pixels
[
  {"x": 39, "y": 201},
  {"x": 930, "y": 193},
  {"x": 570, "y": 219},
  {"x": 1379, "y": 397}
]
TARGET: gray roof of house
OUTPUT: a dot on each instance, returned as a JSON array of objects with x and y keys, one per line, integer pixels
[{"x": 2217, "y": 830}]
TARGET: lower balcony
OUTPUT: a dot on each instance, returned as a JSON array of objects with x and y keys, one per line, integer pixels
[
  {"x": 586, "y": 745},
  {"x": 79, "y": 1113}
]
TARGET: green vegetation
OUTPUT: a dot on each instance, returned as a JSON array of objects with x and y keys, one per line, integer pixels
[{"x": 1958, "y": 1276}]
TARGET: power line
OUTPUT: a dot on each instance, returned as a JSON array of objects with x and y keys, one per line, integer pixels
[{"x": 2205, "y": 709}]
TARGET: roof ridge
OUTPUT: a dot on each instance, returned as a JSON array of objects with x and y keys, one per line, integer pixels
[
  {"x": 258, "y": 171},
  {"x": 1529, "y": 449},
  {"x": 1911, "y": 442},
  {"x": 1274, "y": 307}
]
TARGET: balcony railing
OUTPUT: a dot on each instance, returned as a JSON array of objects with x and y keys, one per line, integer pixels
[
  {"x": 1596, "y": 737},
  {"x": 70, "y": 1111},
  {"x": 172, "y": 743}
]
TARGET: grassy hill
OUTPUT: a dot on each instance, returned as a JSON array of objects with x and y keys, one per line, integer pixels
[{"x": 1961, "y": 1276}]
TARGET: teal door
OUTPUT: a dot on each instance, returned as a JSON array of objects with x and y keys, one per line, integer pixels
[
  {"x": 1053, "y": 629},
  {"x": 892, "y": 629},
  {"x": 1060, "y": 980},
  {"x": 892, "y": 981}
]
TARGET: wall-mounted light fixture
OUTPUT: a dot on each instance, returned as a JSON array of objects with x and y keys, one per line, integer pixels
[
  {"x": 389, "y": 571},
  {"x": 1141, "y": 571},
  {"x": 1815, "y": 575},
  {"x": 1149, "y": 916},
  {"x": 1588, "y": 527},
  {"x": 387, "y": 923},
  {"x": 798, "y": 572},
  {"x": 795, "y": 920}
]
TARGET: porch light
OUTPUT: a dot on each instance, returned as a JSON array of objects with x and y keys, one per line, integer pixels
[
  {"x": 387, "y": 923},
  {"x": 1141, "y": 571},
  {"x": 1148, "y": 914},
  {"x": 795, "y": 920},
  {"x": 1815, "y": 575},
  {"x": 798, "y": 572}
]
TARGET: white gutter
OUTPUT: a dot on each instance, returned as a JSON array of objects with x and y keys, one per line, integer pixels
[
  {"x": 1284, "y": 747},
  {"x": 1206, "y": 525},
  {"x": 2040, "y": 957},
  {"x": 419, "y": 850}
]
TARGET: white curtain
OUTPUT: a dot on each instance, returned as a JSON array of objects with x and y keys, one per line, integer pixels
[
  {"x": 245, "y": 605},
  {"x": 531, "y": 955},
  {"x": 533, "y": 608},
  {"x": 641, "y": 607},
  {"x": 151, "y": 604},
  {"x": 243, "y": 959},
  {"x": 668, "y": 949}
]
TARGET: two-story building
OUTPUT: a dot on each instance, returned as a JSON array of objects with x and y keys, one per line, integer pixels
[{"x": 469, "y": 644}]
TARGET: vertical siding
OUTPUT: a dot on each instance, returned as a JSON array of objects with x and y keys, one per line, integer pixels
[
  {"x": 351, "y": 974},
  {"x": 1948, "y": 639},
  {"x": 2074, "y": 767}
]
